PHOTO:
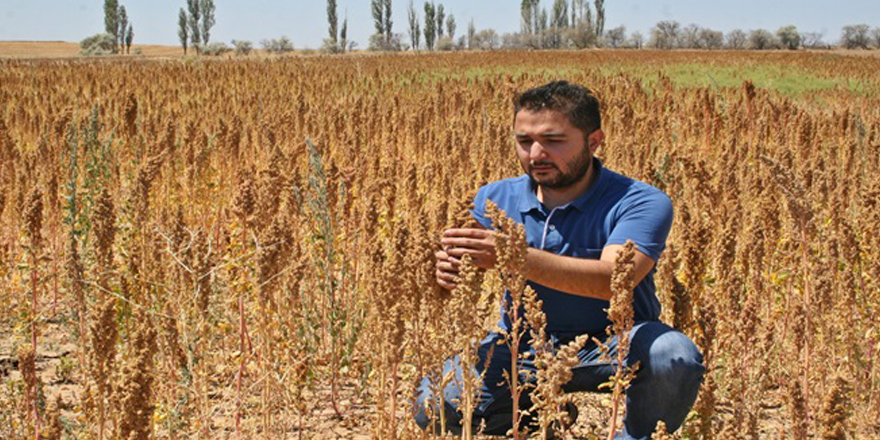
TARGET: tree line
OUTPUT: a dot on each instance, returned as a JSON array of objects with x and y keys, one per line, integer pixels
[{"x": 567, "y": 24}]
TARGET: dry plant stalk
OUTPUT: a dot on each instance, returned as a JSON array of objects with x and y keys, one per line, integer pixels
[
  {"x": 468, "y": 312},
  {"x": 27, "y": 364},
  {"x": 134, "y": 392},
  {"x": 620, "y": 312},
  {"x": 33, "y": 231},
  {"x": 511, "y": 247},
  {"x": 553, "y": 368}
]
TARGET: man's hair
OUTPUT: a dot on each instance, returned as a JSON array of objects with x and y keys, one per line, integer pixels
[{"x": 576, "y": 102}]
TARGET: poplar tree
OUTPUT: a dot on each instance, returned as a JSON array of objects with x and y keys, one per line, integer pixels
[
  {"x": 377, "y": 7},
  {"x": 122, "y": 24},
  {"x": 600, "y": 17},
  {"x": 438, "y": 13},
  {"x": 343, "y": 35},
  {"x": 525, "y": 9},
  {"x": 207, "y": 9},
  {"x": 195, "y": 18},
  {"x": 332, "y": 22},
  {"x": 414, "y": 29},
  {"x": 182, "y": 30},
  {"x": 111, "y": 20},
  {"x": 429, "y": 25},
  {"x": 388, "y": 23},
  {"x": 450, "y": 26},
  {"x": 129, "y": 37}
]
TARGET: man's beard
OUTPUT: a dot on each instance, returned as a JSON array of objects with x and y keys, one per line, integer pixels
[{"x": 578, "y": 168}]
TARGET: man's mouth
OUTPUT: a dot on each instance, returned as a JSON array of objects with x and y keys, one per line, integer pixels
[{"x": 542, "y": 167}]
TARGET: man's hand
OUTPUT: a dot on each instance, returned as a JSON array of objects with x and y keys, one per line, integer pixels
[
  {"x": 447, "y": 270},
  {"x": 478, "y": 243}
]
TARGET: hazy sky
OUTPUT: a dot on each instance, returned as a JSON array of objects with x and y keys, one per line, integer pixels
[{"x": 304, "y": 22}]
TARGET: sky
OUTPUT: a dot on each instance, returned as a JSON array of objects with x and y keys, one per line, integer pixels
[{"x": 305, "y": 22}]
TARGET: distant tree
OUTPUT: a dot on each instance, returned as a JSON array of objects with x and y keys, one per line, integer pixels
[
  {"x": 528, "y": 12},
  {"x": 762, "y": 39},
  {"x": 735, "y": 39},
  {"x": 711, "y": 39},
  {"x": 207, "y": 9},
  {"x": 182, "y": 29},
  {"x": 278, "y": 45},
  {"x": 450, "y": 27},
  {"x": 445, "y": 44},
  {"x": 415, "y": 31},
  {"x": 129, "y": 37},
  {"x": 388, "y": 23},
  {"x": 689, "y": 37},
  {"x": 242, "y": 47},
  {"x": 111, "y": 20},
  {"x": 343, "y": 35},
  {"x": 195, "y": 20},
  {"x": 789, "y": 37},
  {"x": 122, "y": 25},
  {"x": 875, "y": 35},
  {"x": 332, "y": 24},
  {"x": 99, "y": 44},
  {"x": 487, "y": 39},
  {"x": 471, "y": 34},
  {"x": 430, "y": 26},
  {"x": 637, "y": 40},
  {"x": 558, "y": 22},
  {"x": 216, "y": 49},
  {"x": 600, "y": 17},
  {"x": 616, "y": 37},
  {"x": 855, "y": 37},
  {"x": 376, "y": 9},
  {"x": 813, "y": 40},
  {"x": 665, "y": 34},
  {"x": 542, "y": 26},
  {"x": 379, "y": 42},
  {"x": 440, "y": 16}
]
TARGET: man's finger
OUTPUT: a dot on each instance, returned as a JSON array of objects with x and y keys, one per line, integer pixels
[
  {"x": 456, "y": 242},
  {"x": 459, "y": 253},
  {"x": 467, "y": 232}
]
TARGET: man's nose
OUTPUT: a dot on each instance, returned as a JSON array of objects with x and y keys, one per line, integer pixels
[{"x": 537, "y": 151}]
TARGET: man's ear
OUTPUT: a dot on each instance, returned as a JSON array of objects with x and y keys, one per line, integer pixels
[{"x": 595, "y": 139}]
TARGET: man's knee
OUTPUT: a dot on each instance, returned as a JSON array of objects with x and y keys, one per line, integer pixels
[{"x": 673, "y": 355}]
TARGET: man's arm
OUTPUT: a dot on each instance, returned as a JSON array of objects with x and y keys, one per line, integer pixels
[{"x": 577, "y": 276}]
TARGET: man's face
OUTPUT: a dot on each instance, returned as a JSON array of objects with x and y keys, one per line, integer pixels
[{"x": 552, "y": 151}]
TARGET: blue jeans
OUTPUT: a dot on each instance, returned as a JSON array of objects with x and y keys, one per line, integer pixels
[{"x": 665, "y": 387}]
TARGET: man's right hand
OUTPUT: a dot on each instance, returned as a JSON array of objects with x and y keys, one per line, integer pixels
[{"x": 447, "y": 270}]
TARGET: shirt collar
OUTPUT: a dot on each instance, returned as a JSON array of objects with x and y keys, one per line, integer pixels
[{"x": 530, "y": 201}]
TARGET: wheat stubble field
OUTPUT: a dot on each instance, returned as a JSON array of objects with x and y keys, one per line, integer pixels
[{"x": 178, "y": 261}]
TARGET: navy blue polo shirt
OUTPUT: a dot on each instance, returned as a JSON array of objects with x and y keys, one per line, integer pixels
[{"x": 614, "y": 209}]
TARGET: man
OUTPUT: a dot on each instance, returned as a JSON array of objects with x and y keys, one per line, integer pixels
[{"x": 577, "y": 215}]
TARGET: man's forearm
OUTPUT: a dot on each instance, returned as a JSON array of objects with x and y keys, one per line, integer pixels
[{"x": 577, "y": 276}]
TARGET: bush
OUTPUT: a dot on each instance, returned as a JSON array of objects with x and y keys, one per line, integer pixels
[
  {"x": 98, "y": 44},
  {"x": 762, "y": 39},
  {"x": 216, "y": 49},
  {"x": 242, "y": 47},
  {"x": 445, "y": 44},
  {"x": 277, "y": 45},
  {"x": 379, "y": 42}
]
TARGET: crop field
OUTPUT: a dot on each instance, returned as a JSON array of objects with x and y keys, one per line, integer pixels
[{"x": 195, "y": 248}]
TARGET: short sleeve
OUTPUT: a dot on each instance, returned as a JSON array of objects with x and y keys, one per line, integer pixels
[
  {"x": 479, "y": 210},
  {"x": 646, "y": 221}
]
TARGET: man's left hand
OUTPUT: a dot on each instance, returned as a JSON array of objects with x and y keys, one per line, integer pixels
[{"x": 478, "y": 243}]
